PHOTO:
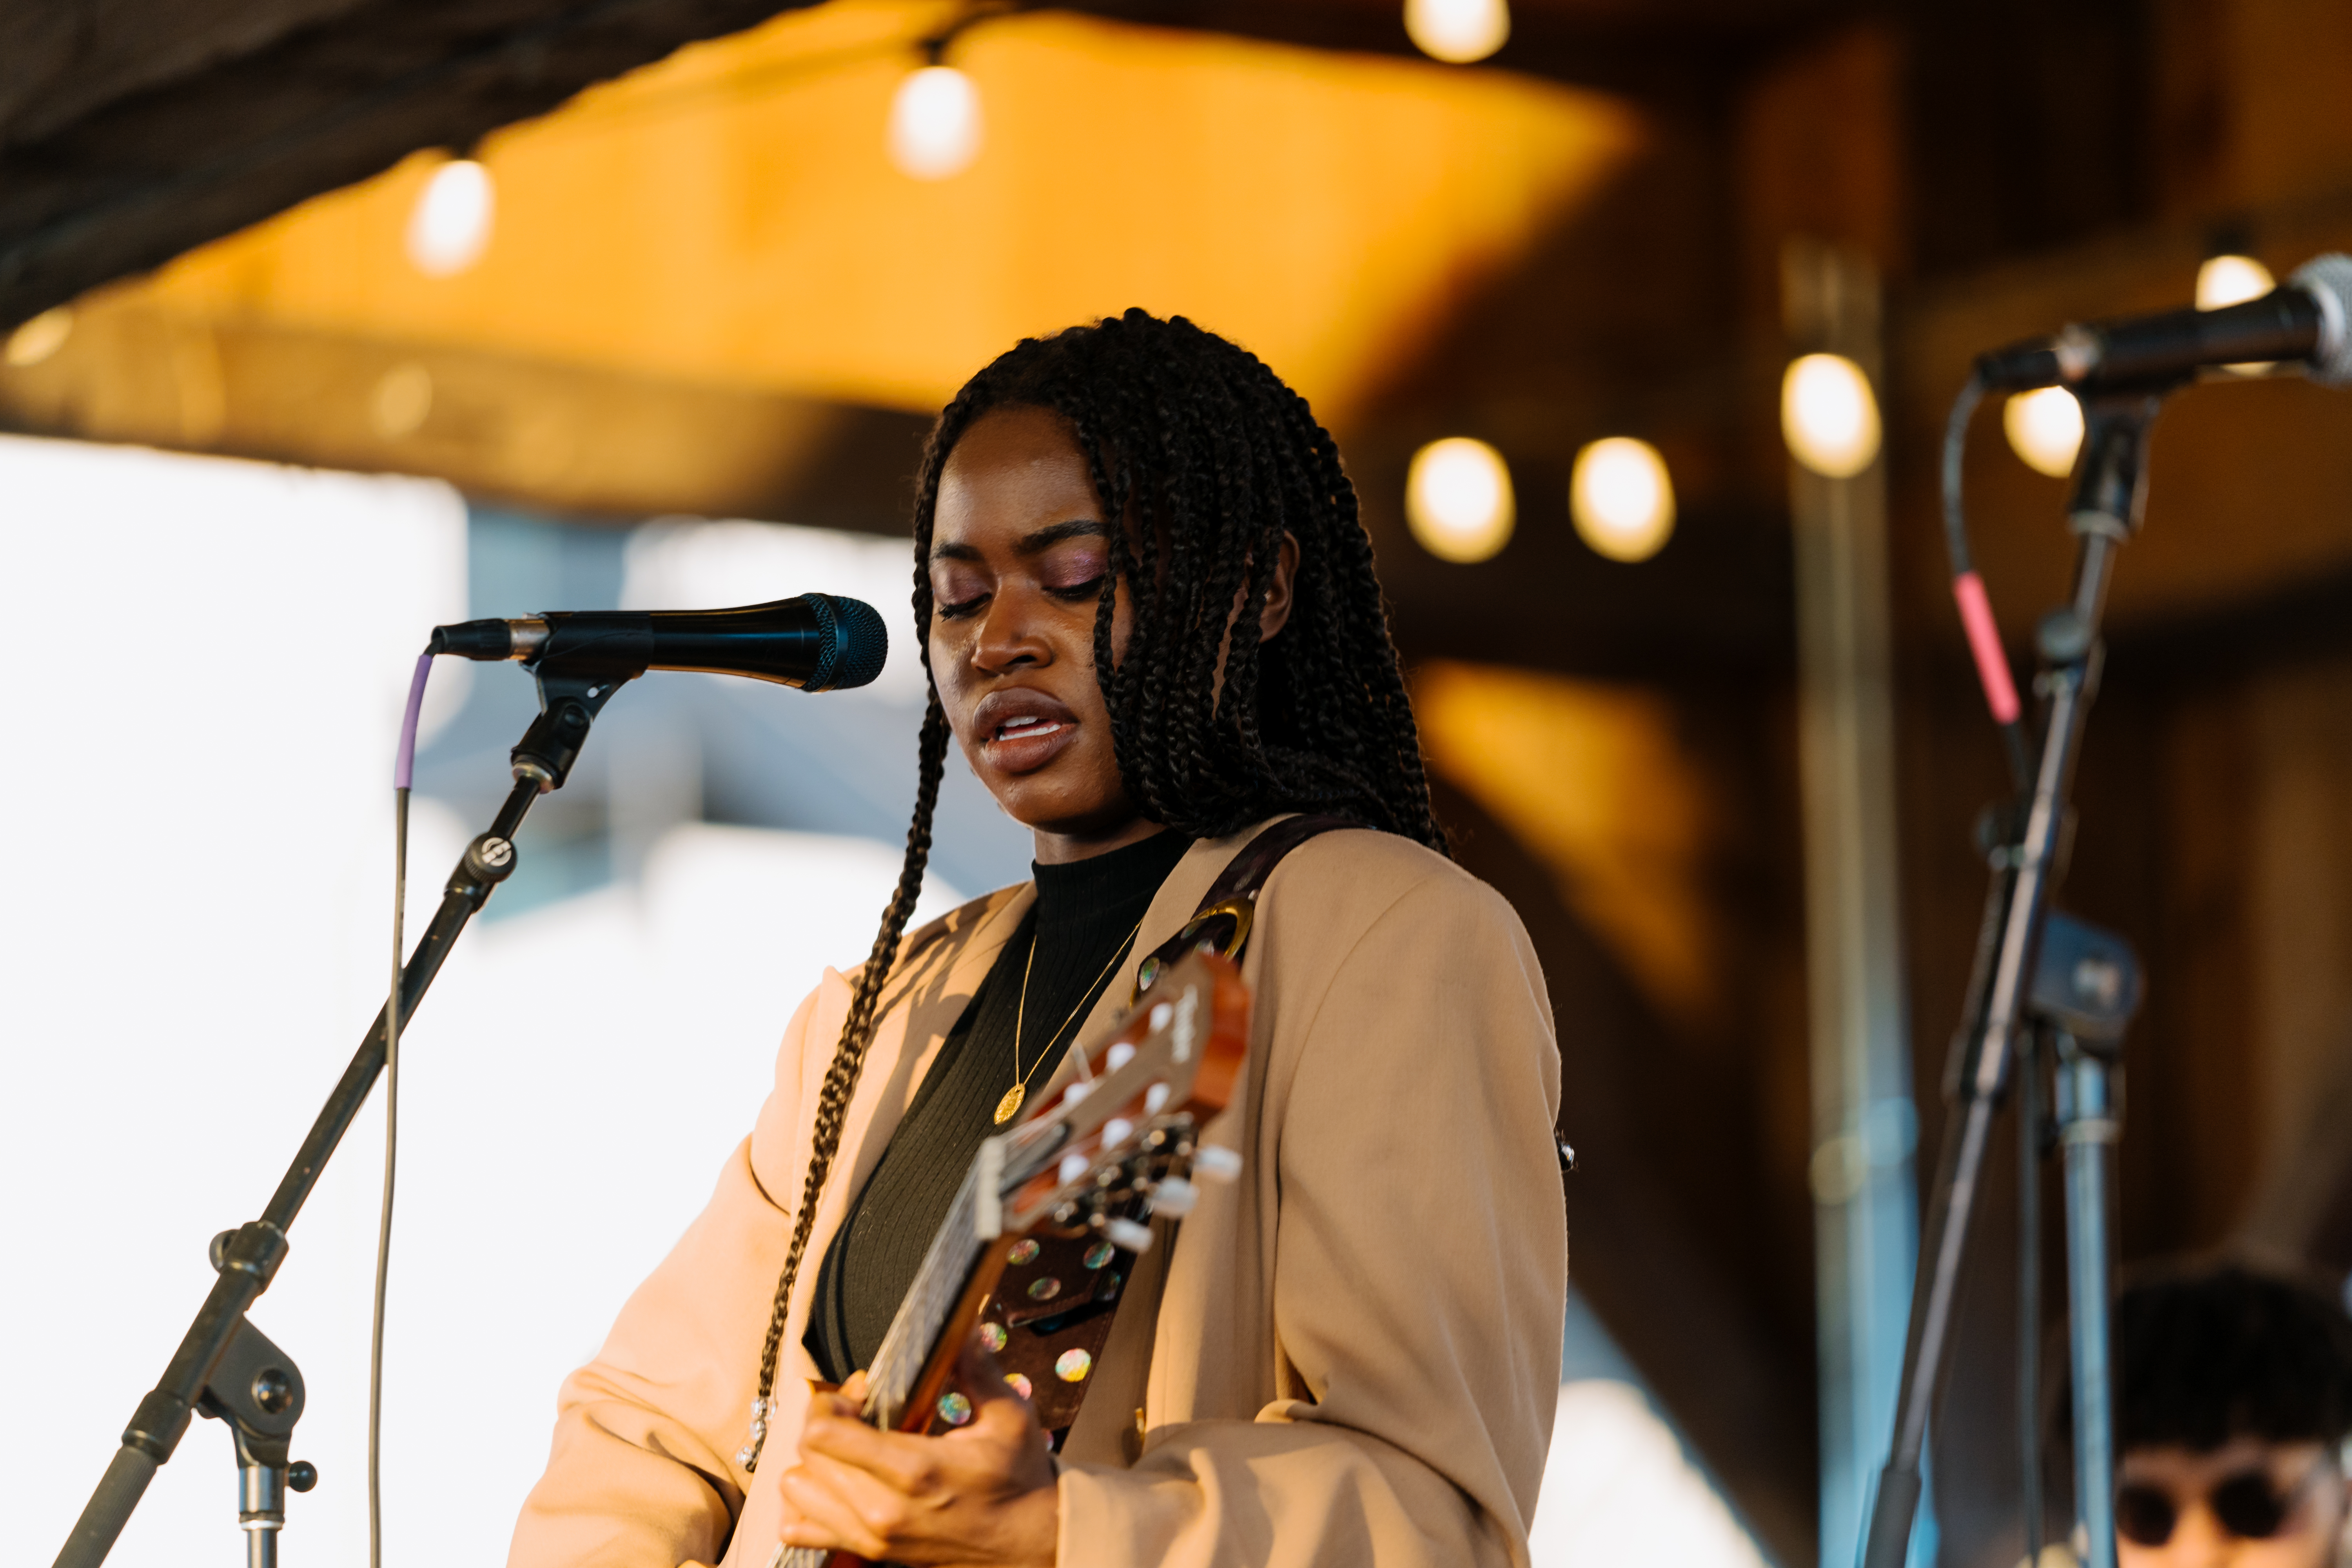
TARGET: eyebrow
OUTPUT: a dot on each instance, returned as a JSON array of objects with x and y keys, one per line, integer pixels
[{"x": 1029, "y": 543}]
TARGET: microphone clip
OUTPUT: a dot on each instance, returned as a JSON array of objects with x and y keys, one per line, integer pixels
[{"x": 570, "y": 698}]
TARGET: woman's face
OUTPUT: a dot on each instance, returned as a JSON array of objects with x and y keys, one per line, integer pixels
[{"x": 1018, "y": 554}]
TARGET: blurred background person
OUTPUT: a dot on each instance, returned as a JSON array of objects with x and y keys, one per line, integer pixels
[{"x": 2233, "y": 1399}]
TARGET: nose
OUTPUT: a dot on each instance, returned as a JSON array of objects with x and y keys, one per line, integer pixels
[
  {"x": 1010, "y": 635},
  {"x": 2197, "y": 1540}
]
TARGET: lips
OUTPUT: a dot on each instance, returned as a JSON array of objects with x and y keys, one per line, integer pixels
[{"x": 1022, "y": 730}]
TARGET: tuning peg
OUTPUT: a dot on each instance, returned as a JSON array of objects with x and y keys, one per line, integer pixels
[
  {"x": 1215, "y": 1163},
  {"x": 1175, "y": 1197},
  {"x": 1127, "y": 1234}
]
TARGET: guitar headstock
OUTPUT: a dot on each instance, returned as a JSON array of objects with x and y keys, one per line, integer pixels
[{"x": 1123, "y": 1135}]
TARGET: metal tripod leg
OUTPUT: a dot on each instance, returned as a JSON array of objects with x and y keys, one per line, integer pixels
[{"x": 2087, "y": 1127}]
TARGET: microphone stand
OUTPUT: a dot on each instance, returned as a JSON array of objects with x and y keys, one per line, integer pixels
[
  {"x": 224, "y": 1365},
  {"x": 2017, "y": 982}
]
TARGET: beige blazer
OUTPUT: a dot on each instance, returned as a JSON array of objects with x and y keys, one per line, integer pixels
[{"x": 1349, "y": 1356}]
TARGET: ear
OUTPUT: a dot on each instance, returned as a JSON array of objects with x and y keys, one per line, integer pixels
[{"x": 1276, "y": 613}]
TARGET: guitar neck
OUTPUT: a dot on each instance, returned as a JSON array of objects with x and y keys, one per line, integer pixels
[{"x": 937, "y": 1285}]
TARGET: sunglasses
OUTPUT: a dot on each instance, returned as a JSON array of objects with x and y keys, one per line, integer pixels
[{"x": 2248, "y": 1505}]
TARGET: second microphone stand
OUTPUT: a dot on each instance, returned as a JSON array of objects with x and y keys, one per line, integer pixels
[
  {"x": 224, "y": 1365},
  {"x": 2083, "y": 990}
]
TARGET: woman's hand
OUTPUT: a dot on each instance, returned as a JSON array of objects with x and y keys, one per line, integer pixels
[{"x": 982, "y": 1494}]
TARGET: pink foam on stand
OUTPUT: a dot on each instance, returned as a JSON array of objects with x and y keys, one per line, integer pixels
[{"x": 1984, "y": 642}]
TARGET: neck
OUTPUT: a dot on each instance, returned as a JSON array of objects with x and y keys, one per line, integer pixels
[{"x": 1060, "y": 849}]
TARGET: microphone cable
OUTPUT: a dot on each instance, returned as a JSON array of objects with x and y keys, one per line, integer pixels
[
  {"x": 403, "y": 768},
  {"x": 1969, "y": 591}
]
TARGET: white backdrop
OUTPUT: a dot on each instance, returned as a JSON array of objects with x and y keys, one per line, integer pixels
[
  {"x": 195, "y": 823},
  {"x": 195, "y": 820}
]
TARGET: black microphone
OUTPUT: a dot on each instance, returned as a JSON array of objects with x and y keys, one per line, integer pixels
[
  {"x": 817, "y": 642},
  {"x": 2307, "y": 320}
]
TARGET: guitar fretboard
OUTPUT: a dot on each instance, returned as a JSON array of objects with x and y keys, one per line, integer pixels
[{"x": 933, "y": 1295}]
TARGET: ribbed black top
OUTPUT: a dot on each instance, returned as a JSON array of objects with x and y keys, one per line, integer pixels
[{"x": 1086, "y": 912}]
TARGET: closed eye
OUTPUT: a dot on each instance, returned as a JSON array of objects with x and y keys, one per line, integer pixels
[{"x": 957, "y": 611}]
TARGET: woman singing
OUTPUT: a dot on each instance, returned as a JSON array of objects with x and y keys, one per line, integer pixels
[{"x": 1152, "y": 627}]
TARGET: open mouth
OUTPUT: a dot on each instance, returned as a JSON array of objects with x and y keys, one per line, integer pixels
[
  {"x": 1026, "y": 730},
  {"x": 1027, "y": 727}
]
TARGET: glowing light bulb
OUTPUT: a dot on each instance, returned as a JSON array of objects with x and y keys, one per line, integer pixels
[
  {"x": 39, "y": 338},
  {"x": 2232, "y": 280},
  {"x": 1621, "y": 498},
  {"x": 1457, "y": 496},
  {"x": 1829, "y": 416},
  {"x": 1457, "y": 31},
  {"x": 449, "y": 227},
  {"x": 2045, "y": 429},
  {"x": 935, "y": 123}
]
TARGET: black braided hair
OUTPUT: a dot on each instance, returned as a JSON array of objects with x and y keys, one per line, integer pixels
[
  {"x": 849, "y": 1058},
  {"x": 1216, "y": 459},
  {"x": 2207, "y": 1354}
]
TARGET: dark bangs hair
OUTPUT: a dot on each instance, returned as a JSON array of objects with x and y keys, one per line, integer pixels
[{"x": 1216, "y": 460}]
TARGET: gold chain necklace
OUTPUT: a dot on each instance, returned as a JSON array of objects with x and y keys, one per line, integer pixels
[{"x": 1010, "y": 1106}]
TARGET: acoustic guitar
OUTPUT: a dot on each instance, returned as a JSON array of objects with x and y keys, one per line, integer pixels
[{"x": 1045, "y": 1226}]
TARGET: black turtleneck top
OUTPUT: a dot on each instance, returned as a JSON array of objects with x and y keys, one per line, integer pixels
[{"x": 1086, "y": 914}]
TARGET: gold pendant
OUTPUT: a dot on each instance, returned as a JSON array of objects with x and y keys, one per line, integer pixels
[{"x": 1011, "y": 1103}]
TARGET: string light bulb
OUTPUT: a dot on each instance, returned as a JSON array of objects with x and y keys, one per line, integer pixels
[
  {"x": 935, "y": 123},
  {"x": 1458, "y": 500},
  {"x": 449, "y": 227},
  {"x": 41, "y": 338},
  {"x": 2232, "y": 280},
  {"x": 1829, "y": 416},
  {"x": 1457, "y": 31},
  {"x": 2044, "y": 430},
  {"x": 1621, "y": 498}
]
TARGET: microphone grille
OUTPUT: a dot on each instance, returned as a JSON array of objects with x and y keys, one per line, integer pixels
[
  {"x": 856, "y": 644},
  {"x": 2329, "y": 281}
]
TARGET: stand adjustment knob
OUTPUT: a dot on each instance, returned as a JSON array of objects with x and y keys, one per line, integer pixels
[
  {"x": 301, "y": 1474},
  {"x": 490, "y": 857}
]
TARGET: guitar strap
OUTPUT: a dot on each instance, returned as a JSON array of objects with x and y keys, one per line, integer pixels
[{"x": 1052, "y": 1312}]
